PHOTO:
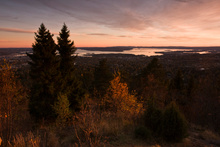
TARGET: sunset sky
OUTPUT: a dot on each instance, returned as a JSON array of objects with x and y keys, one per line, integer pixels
[{"x": 113, "y": 22}]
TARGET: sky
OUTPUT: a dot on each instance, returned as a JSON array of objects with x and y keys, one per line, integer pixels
[{"x": 101, "y": 23}]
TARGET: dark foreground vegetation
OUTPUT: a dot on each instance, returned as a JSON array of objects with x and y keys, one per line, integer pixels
[{"x": 64, "y": 100}]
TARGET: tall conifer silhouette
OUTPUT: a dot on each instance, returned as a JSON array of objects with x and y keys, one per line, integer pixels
[
  {"x": 70, "y": 85},
  {"x": 44, "y": 73}
]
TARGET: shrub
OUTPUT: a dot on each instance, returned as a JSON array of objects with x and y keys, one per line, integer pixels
[
  {"x": 86, "y": 128},
  {"x": 153, "y": 119},
  {"x": 142, "y": 132},
  {"x": 174, "y": 124},
  {"x": 61, "y": 108}
]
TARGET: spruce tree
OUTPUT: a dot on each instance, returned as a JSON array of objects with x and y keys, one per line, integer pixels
[
  {"x": 178, "y": 81},
  {"x": 102, "y": 76},
  {"x": 155, "y": 68},
  {"x": 69, "y": 84},
  {"x": 152, "y": 83},
  {"x": 44, "y": 73},
  {"x": 174, "y": 123}
]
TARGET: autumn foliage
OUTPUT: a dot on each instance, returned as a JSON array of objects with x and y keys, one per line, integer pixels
[
  {"x": 13, "y": 102},
  {"x": 118, "y": 99}
]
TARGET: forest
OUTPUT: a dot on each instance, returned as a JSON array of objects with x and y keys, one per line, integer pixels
[{"x": 60, "y": 99}]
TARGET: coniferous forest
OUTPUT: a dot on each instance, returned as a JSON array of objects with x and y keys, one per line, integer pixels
[{"x": 60, "y": 99}]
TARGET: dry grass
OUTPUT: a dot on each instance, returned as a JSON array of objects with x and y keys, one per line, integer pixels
[
  {"x": 86, "y": 129},
  {"x": 94, "y": 127},
  {"x": 47, "y": 138},
  {"x": 21, "y": 141}
]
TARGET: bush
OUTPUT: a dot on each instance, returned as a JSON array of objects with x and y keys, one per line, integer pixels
[
  {"x": 153, "y": 119},
  {"x": 174, "y": 124},
  {"x": 142, "y": 132},
  {"x": 61, "y": 108}
]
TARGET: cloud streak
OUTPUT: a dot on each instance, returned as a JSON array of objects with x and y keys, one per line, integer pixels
[
  {"x": 15, "y": 30},
  {"x": 98, "y": 34},
  {"x": 113, "y": 14}
]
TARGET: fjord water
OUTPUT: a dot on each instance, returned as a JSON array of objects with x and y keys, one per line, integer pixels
[{"x": 134, "y": 51}]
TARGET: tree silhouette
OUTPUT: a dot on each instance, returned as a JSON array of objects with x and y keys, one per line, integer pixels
[
  {"x": 102, "y": 76},
  {"x": 178, "y": 81},
  {"x": 69, "y": 84},
  {"x": 153, "y": 83},
  {"x": 44, "y": 73},
  {"x": 174, "y": 123},
  {"x": 177, "y": 89},
  {"x": 154, "y": 68}
]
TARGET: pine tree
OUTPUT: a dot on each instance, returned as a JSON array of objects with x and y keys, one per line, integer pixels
[
  {"x": 174, "y": 123},
  {"x": 153, "y": 117},
  {"x": 178, "y": 81},
  {"x": 69, "y": 85},
  {"x": 152, "y": 83},
  {"x": 154, "y": 68},
  {"x": 102, "y": 76},
  {"x": 177, "y": 89},
  {"x": 44, "y": 73}
]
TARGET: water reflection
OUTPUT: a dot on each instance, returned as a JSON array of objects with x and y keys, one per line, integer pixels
[
  {"x": 81, "y": 52},
  {"x": 151, "y": 51},
  {"x": 199, "y": 52},
  {"x": 134, "y": 51}
]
